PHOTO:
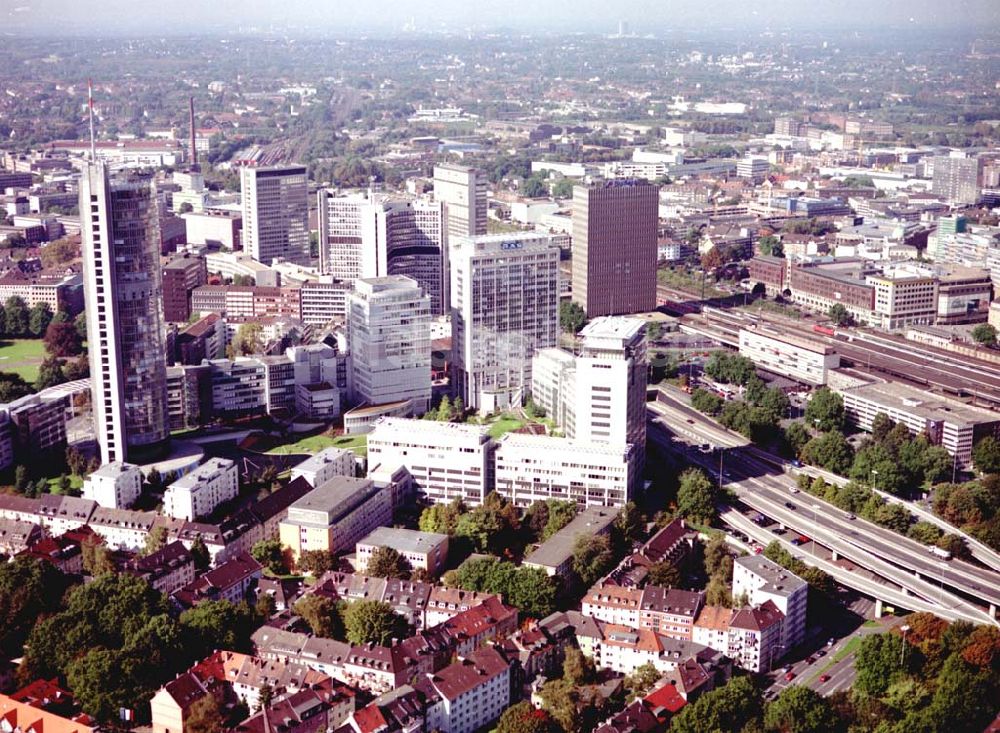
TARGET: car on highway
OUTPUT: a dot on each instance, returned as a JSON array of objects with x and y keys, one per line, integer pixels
[
  {"x": 851, "y": 517},
  {"x": 831, "y": 641},
  {"x": 778, "y": 530},
  {"x": 789, "y": 676},
  {"x": 824, "y": 678},
  {"x": 794, "y": 490},
  {"x": 787, "y": 668},
  {"x": 810, "y": 660},
  {"x": 790, "y": 505},
  {"x": 690, "y": 421},
  {"x": 796, "y": 463},
  {"x": 796, "y": 542}
]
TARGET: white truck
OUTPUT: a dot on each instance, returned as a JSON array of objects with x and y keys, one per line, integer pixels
[{"x": 943, "y": 554}]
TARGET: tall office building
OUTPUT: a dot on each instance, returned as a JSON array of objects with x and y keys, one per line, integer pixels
[
  {"x": 389, "y": 322},
  {"x": 276, "y": 213},
  {"x": 125, "y": 329},
  {"x": 614, "y": 247},
  {"x": 610, "y": 385},
  {"x": 461, "y": 190},
  {"x": 957, "y": 179},
  {"x": 504, "y": 306},
  {"x": 364, "y": 236}
]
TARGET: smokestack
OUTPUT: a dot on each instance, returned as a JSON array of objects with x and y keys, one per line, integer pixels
[{"x": 194, "y": 150}]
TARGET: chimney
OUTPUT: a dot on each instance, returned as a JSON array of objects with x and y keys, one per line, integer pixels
[{"x": 194, "y": 150}]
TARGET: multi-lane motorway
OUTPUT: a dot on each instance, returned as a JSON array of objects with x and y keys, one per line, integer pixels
[{"x": 959, "y": 589}]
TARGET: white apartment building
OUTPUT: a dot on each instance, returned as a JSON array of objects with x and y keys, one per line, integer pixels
[
  {"x": 474, "y": 692},
  {"x": 114, "y": 485},
  {"x": 552, "y": 385},
  {"x": 389, "y": 334},
  {"x": 952, "y": 424},
  {"x": 423, "y": 550},
  {"x": 540, "y": 467},
  {"x": 323, "y": 466},
  {"x": 763, "y": 580},
  {"x": 504, "y": 306},
  {"x": 610, "y": 383},
  {"x": 800, "y": 358},
  {"x": 755, "y": 637},
  {"x": 197, "y": 493},
  {"x": 275, "y": 213},
  {"x": 711, "y": 628},
  {"x": 446, "y": 460},
  {"x": 323, "y": 301}
]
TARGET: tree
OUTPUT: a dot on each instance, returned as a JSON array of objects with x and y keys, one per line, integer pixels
[
  {"x": 571, "y": 316},
  {"x": 50, "y": 373},
  {"x": 29, "y": 590},
  {"x": 387, "y": 562},
  {"x": 39, "y": 318},
  {"x": 629, "y": 524},
  {"x": 559, "y": 514},
  {"x": 878, "y": 663},
  {"x": 95, "y": 557},
  {"x": 696, "y": 496},
  {"x": 492, "y": 526},
  {"x": 155, "y": 540},
  {"x": 524, "y": 718},
  {"x": 706, "y": 402},
  {"x": 830, "y": 451},
  {"x": 986, "y": 455},
  {"x": 81, "y": 325},
  {"x": 17, "y": 316},
  {"x": 265, "y": 606},
  {"x": 825, "y": 410},
  {"x": 317, "y": 562},
  {"x": 205, "y": 716},
  {"x": 218, "y": 625},
  {"x": 324, "y": 615},
  {"x": 441, "y": 518},
  {"x": 534, "y": 187},
  {"x": 770, "y": 246},
  {"x": 839, "y": 314},
  {"x": 985, "y": 334},
  {"x": 12, "y": 387},
  {"x": 797, "y": 436},
  {"x": 664, "y": 574},
  {"x": 270, "y": 554},
  {"x": 800, "y": 709},
  {"x": 578, "y": 668},
  {"x": 562, "y": 189},
  {"x": 718, "y": 560},
  {"x": 62, "y": 340},
  {"x": 21, "y": 478},
  {"x": 249, "y": 338},
  {"x": 592, "y": 558},
  {"x": 641, "y": 681},
  {"x": 200, "y": 553},
  {"x": 265, "y": 696},
  {"x": 373, "y": 622},
  {"x": 730, "y": 368},
  {"x": 732, "y": 707},
  {"x": 535, "y": 519}
]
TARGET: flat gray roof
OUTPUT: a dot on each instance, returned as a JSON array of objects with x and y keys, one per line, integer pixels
[
  {"x": 403, "y": 540},
  {"x": 558, "y": 548}
]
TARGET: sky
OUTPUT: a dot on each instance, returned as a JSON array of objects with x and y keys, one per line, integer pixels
[{"x": 100, "y": 17}]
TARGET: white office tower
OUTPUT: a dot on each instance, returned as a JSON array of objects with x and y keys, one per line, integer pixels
[
  {"x": 461, "y": 190},
  {"x": 389, "y": 332},
  {"x": 124, "y": 300},
  {"x": 610, "y": 384},
  {"x": 276, "y": 213},
  {"x": 504, "y": 307},
  {"x": 373, "y": 235}
]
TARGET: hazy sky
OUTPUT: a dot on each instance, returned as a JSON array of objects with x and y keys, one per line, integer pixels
[{"x": 645, "y": 16}]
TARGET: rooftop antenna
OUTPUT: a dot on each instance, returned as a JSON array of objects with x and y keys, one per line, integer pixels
[
  {"x": 194, "y": 149},
  {"x": 90, "y": 106}
]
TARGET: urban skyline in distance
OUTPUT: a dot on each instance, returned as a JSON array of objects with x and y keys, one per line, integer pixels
[
  {"x": 114, "y": 17},
  {"x": 522, "y": 368}
]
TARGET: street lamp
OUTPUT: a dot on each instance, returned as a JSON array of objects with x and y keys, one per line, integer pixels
[
  {"x": 873, "y": 474},
  {"x": 902, "y": 650}
]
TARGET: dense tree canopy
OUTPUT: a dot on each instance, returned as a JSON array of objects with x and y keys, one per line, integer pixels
[{"x": 373, "y": 622}]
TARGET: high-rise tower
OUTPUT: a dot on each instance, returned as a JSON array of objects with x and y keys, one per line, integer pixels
[
  {"x": 614, "y": 247},
  {"x": 124, "y": 299},
  {"x": 276, "y": 213}
]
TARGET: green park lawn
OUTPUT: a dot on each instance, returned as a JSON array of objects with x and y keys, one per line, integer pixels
[
  {"x": 316, "y": 443},
  {"x": 22, "y": 356}
]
